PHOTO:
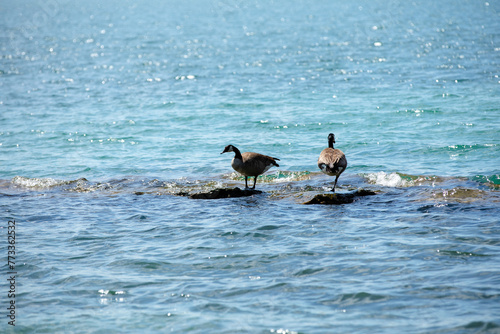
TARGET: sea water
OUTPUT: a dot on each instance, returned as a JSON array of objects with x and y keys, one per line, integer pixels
[{"x": 110, "y": 110}]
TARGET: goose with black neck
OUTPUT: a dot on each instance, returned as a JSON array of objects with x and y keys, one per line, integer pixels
[{"x": 250, "y": 163}]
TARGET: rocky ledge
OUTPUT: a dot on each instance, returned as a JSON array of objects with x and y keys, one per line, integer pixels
[
  {"x": 225, "y": 193},
  {"x": 342, "y": 198}
]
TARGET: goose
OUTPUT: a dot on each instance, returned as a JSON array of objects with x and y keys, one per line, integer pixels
[
  {"x": 332, "y": 161},
  {"x": 250, "y": 163}
]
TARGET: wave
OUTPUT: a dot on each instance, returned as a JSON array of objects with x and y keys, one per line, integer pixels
[
  {"x": 78, "y": 185},
  {"x": 396, "y": 179},
  {"x": 473, "y": 147},
  {"x": 358, "y": 298},
  {"x": 276, "y": 177},
  {"x": 44, "y": 183},
  {"x": 279, "y": 185},
  {"x": 479, "y": 327},
  {"x": 141, "y": 185},
  {"x": 489, "y": 180}
]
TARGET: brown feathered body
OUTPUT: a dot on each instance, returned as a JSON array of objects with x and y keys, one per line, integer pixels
[
  {"x": 253, "y": 164},
  {"x": 250, "y": 163},
  {"x": 332, "y": 161}
]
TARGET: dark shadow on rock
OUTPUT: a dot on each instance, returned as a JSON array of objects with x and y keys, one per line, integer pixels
[
  {"x": 225, "y": 193},
  {"x": 335, "y": 198}
]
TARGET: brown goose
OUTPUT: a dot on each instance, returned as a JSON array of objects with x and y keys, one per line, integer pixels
[
  {"x": 250, "y": 163},
  {"x": 332, "y": 161}
]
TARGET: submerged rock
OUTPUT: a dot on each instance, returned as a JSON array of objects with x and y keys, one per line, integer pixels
[
  {"x": 336, "y": 198},
  {"x": 225, "y": 193}
]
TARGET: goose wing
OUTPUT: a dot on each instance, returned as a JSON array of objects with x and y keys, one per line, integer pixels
[{"x": 255, "y": 163}]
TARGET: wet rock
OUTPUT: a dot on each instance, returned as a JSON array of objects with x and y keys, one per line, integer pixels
[
  {"x": 225, "y": 193},
  {"x": 336, "y": 198}
]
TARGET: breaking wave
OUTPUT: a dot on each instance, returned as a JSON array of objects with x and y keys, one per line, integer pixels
[
  {"x": 279, "y": 184},
  {"x": 401, "y": 180},
  {"x": 396, "y": 179},
  {"x": 276, "y": 177},
  {"x": 489, "y": 180}
]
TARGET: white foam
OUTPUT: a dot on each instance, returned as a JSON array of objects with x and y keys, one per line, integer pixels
[
  {"x": 103, "y": 292},
  {"x": 286, "y": 176},
  {"x": 388, "y": 180},
  {"x": 35, "y": 182}
]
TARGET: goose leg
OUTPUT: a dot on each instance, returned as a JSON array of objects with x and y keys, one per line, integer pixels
[
  {"x": 246, "y": 184},
  {"x": 335, "y": 184},
  {"x": 254, "y": 181}
]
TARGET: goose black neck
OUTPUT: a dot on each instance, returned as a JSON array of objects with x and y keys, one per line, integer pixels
[
  {"x": 330, "y": 143},
  {"x": 237, "y": 153}
]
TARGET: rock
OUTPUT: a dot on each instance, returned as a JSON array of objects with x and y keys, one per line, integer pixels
[
  {"x": 336, "y": 198},
  {"x": 225, "y": 193}
]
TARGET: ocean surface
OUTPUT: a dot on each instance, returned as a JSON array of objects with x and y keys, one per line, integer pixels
[{"x": 110, "y": 110}]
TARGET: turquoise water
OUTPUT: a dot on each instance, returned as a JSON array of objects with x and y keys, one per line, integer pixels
[{"x": 110, "y": 110}]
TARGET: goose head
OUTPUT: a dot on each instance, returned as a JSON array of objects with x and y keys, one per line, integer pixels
[
  {"x": 228, "y": 148},
  {"x": 331, "y": 137}
]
